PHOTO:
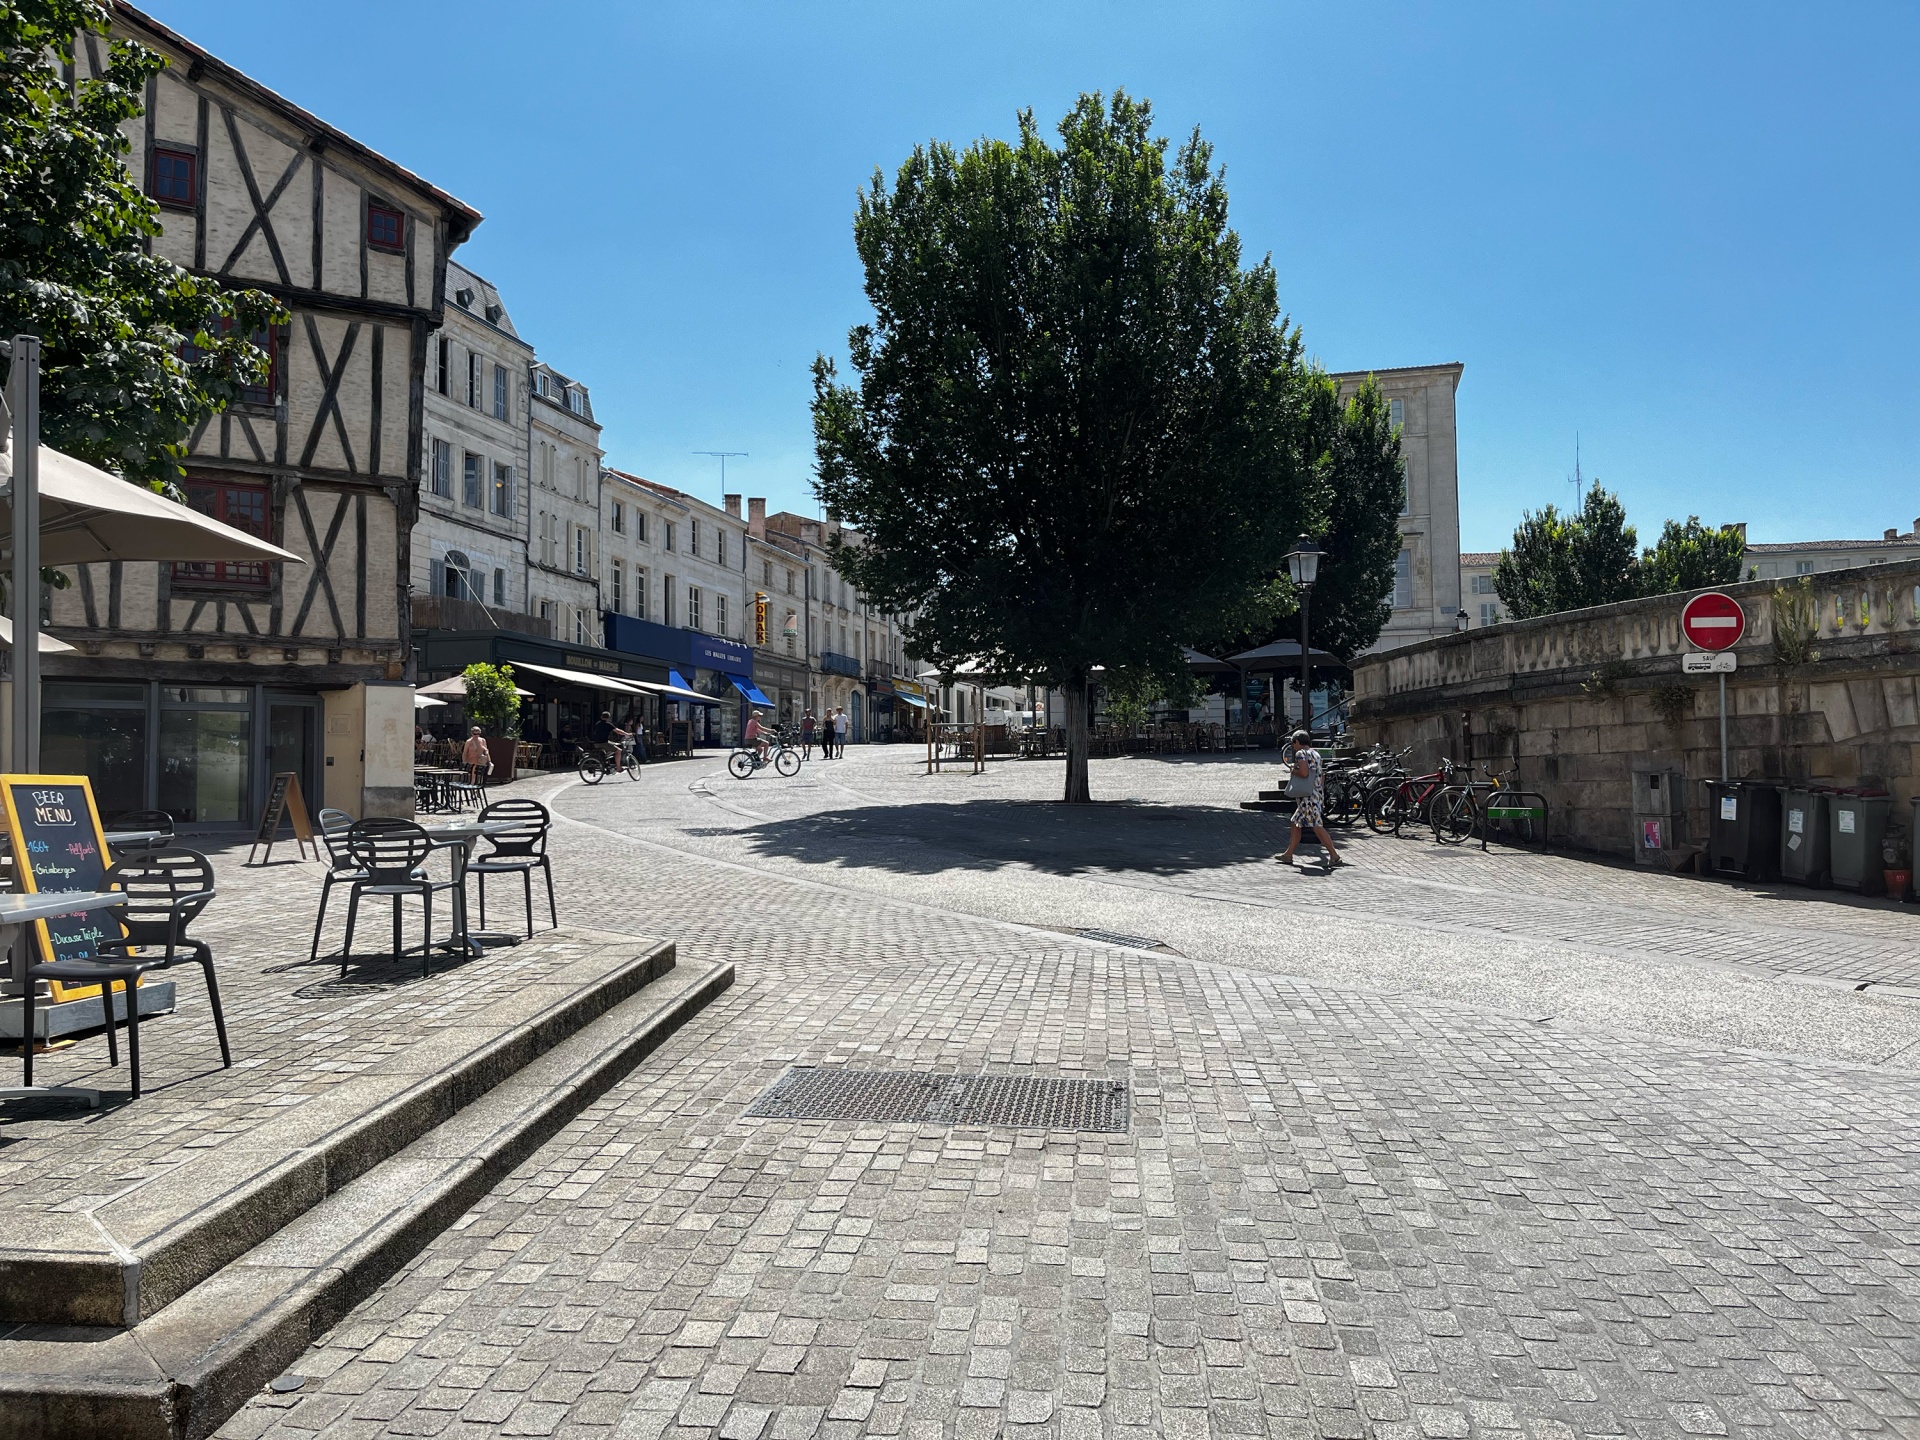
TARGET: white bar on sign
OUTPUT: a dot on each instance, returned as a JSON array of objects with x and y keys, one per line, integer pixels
[{"x": 1713, "y": 622}]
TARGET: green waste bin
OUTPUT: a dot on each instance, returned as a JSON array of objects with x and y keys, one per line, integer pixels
[
  {"x": 1856, "y": 821},
  {"x": 1803, "y": 836}
]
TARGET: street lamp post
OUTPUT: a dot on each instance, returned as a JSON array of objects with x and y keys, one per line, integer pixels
[{"x": 1303, "y": 564}]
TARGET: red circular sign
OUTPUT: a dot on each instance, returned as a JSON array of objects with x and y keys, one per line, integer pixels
[{"x": 1713, "y": 621}]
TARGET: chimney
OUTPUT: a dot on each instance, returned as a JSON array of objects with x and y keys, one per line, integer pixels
[
  {"x": 809, "y": 532},
  {"x": 1741, "y": 526},
  {"x": 732, "y": 504},
  {"x": 1890, "y": 535},
  {"x": 756, "y": 516}
]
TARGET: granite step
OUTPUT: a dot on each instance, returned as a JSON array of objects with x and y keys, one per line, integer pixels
[{"x": 184, "y": 1367}]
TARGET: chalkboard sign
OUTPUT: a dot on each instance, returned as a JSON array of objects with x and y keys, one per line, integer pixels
[
  {"x": 283, "y": 800},
  {"x": 58, "y": 845}
]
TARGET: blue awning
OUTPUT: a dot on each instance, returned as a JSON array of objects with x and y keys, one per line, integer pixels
[
  {"x": 747, "y": 688},
  {"x": 910, "y": 699},
  {"x": 677, "y": 688}
]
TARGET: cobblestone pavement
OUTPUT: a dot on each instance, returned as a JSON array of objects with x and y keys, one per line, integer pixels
[
  {"x": 1343, "y": 1208},
  {"x": 296, "y": 1031}
]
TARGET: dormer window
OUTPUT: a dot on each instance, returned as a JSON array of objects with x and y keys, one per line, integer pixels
[
  {"x": 463, "y": 298},
  {"x": 386, "y": 228},
  {"x": 493, "y": 314},
  {"x": 576, "y": 400},
  {"x": 546, "y": 384}
]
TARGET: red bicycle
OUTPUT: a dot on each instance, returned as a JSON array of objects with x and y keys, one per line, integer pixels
[{"x": 1392, "y": 803}]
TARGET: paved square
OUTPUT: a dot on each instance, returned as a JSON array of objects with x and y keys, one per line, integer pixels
[{"x": 1414, "y": 1151}]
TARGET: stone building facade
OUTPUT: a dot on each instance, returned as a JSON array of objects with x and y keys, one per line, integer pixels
[
  {"x": 192, "y": 685},
  {"x": 564, "y": 506},
  {"x": 1576, "y": 701},
  {"x": 470, "y": 541},
  {"x": 1426, "y": 593}
]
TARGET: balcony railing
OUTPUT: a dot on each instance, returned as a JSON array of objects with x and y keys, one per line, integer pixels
[
  {"x": 835, "y": 663},
  {"x": 879, "y": 669}
]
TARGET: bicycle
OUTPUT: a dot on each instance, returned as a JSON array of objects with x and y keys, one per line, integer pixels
[
  {"x": 1391, "y": 803},
  {"x": 750, "y": 759},
  {"x": 595, "y": 764},
  {"x": 1488, "y": 807}
]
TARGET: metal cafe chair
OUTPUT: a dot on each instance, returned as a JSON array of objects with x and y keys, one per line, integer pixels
[
  {"x": 166, "y": 890},
  {"x": 521, "y": 850},
  {"x": 389, "y": 859},
  {"x": 334, "y": 825},
  {"x": 158, "y": 820}
]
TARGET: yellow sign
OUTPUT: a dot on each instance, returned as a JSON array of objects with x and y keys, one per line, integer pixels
[
  {"x": 759, "y": 617},
  {"x": 54, "y": 828}
]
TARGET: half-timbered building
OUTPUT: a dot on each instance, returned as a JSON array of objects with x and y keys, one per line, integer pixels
[{"x": 193, "y": 684}]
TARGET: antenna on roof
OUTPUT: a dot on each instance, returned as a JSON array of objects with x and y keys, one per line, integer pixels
[
  {"x": 723, "y": 454},
  {"x": 1576, "y": 479}
]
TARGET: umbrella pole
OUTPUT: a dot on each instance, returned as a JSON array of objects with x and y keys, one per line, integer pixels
[{"x": 24, "y": 396}]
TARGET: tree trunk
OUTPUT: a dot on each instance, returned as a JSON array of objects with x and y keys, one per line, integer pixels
[{"x": 1077, "y": 791}]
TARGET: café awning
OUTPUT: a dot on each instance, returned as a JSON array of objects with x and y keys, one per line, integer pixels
[
  {"x": 584, "y": 678},
  {"x": 747, "y": 688},
  {"x": 678, "y": 690}
]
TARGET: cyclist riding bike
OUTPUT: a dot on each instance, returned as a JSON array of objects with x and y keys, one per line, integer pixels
[
  {"x": 607, "y": 739},
  {"x": 756, "y": 736}
]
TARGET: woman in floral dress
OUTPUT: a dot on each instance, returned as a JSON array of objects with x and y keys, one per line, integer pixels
[{"x": 1307, "y": 809}]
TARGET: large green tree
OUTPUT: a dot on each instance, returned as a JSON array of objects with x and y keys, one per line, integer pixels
[
  {"x": 1073, "y": 443},
  {"x": 1569, "y": 562},
  {"x": 1692, "y": 557},
  {"x": 136, "y": 350}
]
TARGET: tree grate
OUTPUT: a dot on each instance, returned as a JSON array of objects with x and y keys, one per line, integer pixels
[{"x": 1027, "y": 1102}]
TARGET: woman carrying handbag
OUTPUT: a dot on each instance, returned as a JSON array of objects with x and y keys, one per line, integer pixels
[{"x": 1306, "y": 787}]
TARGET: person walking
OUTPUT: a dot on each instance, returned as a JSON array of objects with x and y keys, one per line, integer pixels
[
  {"x": 806, "y": 734},
  {"x": 1307, "y": 787},
  {"x": 476, "y": 757},
  {"x": 840, "y": 733}
]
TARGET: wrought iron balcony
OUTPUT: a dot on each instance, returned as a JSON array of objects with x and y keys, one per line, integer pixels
[{"x": 835, "y": 663}]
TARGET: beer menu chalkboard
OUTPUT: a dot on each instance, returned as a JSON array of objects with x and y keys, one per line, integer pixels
[{"x": 58, "y": 845}]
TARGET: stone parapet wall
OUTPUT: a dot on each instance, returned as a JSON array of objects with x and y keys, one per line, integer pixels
[{"x": 1577, "y": 700}]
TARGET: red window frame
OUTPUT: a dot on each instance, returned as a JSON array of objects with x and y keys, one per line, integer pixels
[
  {"x": 166, "y": 196},
  {"x": 381, "y": 219},
  {"x": 246, "y": 505}
]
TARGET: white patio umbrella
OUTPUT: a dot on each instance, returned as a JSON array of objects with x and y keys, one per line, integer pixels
[
  {"x": 427, "y": 702},
  {"x": 88, "y": 515},
  {"x": 454, "y": 687},
  {"x": 48, "y": 644}
]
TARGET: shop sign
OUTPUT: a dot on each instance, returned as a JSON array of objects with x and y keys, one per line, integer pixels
[{"x": 713, "y": 654}]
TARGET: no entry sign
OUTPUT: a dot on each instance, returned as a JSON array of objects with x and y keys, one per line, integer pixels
[{"x": 1713, "y": 621}]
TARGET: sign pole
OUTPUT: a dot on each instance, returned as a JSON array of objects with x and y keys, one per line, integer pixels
[
  {"x": 1723, "y": 727},
  {"x": 24, "y": 385}
]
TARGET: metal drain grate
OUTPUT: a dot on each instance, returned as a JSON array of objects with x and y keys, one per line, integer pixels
[
  {"x": 1114, "y": 937},
  {"x": 1034, "y": 1102}
]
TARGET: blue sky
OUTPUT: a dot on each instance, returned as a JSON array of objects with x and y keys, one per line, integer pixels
[{"x": 1684, "y": 233}]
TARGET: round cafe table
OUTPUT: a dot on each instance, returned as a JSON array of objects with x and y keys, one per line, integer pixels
[{"x": 458, "y": 838}]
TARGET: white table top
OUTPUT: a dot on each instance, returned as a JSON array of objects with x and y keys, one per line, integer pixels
[
  {"x": 19, "y": 909},
  {"x": 469, "y": 829}
]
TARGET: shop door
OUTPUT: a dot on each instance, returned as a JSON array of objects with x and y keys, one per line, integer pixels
[{"x": 293, "y": 743}]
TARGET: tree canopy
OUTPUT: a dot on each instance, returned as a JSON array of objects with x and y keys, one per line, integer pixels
[
  {"x": 136, "y": 351},
  {"x": 1569, "y": 562},
  {"x": 1076, "y": 438},
  {"x": 1692, "y": 557}
]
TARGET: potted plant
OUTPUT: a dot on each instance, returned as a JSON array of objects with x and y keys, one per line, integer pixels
[
  {"x": 493, "y": 703},
  {"x": 1897, "y": 858}
]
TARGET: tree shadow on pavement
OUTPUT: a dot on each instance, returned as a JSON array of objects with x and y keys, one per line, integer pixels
[{"x": 1057, "y": 839}]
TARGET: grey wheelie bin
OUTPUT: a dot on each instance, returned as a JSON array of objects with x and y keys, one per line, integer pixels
[
  {"x": 1857, "y": 821},
  {"x": 1803, "y": 836}
]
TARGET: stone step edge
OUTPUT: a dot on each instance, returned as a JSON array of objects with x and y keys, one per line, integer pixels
[
  {"x": 215, "y": 1347},
  {"x": 144, "y": 1279}
]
